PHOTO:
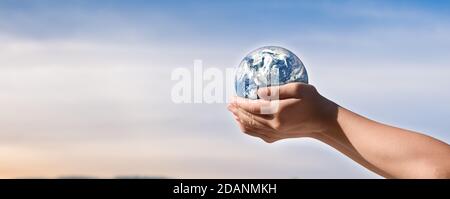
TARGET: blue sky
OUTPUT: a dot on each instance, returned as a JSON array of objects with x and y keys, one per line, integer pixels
[{"x": 85, "y": 85}]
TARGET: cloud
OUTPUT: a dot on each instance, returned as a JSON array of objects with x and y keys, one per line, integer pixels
[{"x": 90, "y": 93}]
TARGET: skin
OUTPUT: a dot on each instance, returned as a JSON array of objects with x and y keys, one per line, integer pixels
[{"x": 302, "y": 112}]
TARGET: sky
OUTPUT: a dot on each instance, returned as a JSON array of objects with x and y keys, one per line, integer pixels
[{"x": 85, "y": 86}]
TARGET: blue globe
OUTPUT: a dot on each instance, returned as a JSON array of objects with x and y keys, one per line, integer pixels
[{"x": 268, "y": 66}]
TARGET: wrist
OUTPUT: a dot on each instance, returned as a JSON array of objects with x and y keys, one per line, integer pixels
[
  {"x": 328, "y": 117},
  {"x": 329, "y": 114}
]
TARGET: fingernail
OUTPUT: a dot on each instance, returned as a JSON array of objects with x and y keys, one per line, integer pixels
[
  {"x": 262, "y": 92},
  {"x": 232, "y": 109}
]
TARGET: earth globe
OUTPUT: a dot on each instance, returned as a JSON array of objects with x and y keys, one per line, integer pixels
[{"x": 268, "y": 66}]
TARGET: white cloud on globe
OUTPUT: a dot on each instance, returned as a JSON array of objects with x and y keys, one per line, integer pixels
[{"x": 268, "y": 66}]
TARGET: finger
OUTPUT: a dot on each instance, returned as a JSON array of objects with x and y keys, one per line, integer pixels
[
  {"x": 251, "y": 126},
  {"x": 291, "y": 90},
  {"x": 256, "y": 129},
  {"x": 252, "y": 119},
  {"x": 232, "y": 108},
  {"x": 256, "y": 133},
  {"x": 251, "y": 106},
  {"x": 235, "y": 117},
  {"x": 249, "y": 119}
]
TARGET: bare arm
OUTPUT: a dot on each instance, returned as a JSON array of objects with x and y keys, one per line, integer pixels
[
  {"x": 389, "y": 151},
  {"x": 386, "y": 150}
]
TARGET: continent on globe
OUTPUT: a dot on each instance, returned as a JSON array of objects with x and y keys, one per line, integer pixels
[{"x": 268, "y": 66}]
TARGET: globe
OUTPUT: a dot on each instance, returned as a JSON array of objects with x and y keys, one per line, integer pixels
[{"x": 268, "y": 66}]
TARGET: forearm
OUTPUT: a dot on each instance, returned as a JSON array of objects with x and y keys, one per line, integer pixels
[{"x": 386, "y": 150}]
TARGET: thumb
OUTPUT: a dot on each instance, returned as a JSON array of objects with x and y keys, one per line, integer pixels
[{"x": 291, "y": 90}]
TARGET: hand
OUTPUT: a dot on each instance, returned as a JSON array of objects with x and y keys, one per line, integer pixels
[{"x": 301, "y": 112}]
